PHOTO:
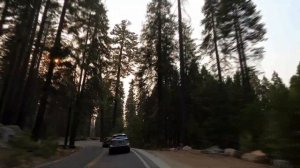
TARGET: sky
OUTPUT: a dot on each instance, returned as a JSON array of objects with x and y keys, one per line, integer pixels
[{"x": 281, "y": 18}]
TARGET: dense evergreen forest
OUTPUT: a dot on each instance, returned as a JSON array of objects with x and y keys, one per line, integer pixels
[{"x": 61, "y": 64}]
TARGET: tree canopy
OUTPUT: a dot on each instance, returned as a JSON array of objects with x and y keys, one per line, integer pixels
[{"x": 61, "y": 66}]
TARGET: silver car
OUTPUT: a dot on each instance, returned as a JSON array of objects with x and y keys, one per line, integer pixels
[{"x": 119, "y": 143}]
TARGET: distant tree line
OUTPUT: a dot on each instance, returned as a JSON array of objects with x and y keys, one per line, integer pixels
[{"x": 226, "y": 102}]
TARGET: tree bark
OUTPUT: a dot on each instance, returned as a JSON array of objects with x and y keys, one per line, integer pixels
[
  {"x": 182, "y": 78},
  {"x": 36, "y": 132},
  {"x": 216, "y": 47},
  {"x": 247, "y": 84},
  {"x": 242, "y": 67},
  {"x": 159, "y": 73},
  {"x": 20, "y": 89},
  {"x": 37, "y": 129},
  {"x": 32, "y": 104},
  {"x": 75, "y": 118},
  {"x": 102, "y": 124},
  {"x": 68, "y": 126},
  {"x": 29, "y": 85},
  {"x": 101, "y": 106},
  {"x": 80, "y": 89},
  {"x": 118, "y": 82},
  {"x": 8, "y": 94},
  {"x": 242, "y": 59}
]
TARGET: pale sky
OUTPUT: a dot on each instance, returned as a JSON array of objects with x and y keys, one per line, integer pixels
[{"x": 280, "y": 16}]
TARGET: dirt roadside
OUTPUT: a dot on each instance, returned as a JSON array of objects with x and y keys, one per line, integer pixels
[{"x": 194, "y": 159}]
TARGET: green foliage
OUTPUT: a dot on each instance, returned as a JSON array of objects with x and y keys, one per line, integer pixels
[
  {"x": 252, "y": 122},
  {"x": 135, "y": 132},
  {"x": 46, "y": 148},
  {"x": 123, "y": 53},
  {"x": 293, "y": 147},
  {"x": 239, "y": 111},
  {"x": 24, "y": 144},
  {"x": 157, "y": 77},
  {"x": 242, "y": 31},
  {"x": 14, "y": 158},
  {"x": 242, "y": 17},
  {"x": 124, "y": 48},
  {"x": 23, "y": 151},
  {"x": 273, "y": 129},
  {"x": 213, "y": 43},
  {"x": 130, "y": 106},
  {"x": 219, "y": 114},
  {"x": 134, "y": 124}
]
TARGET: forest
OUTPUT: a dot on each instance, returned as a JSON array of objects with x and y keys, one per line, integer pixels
[{"x": 61, "y": 64}]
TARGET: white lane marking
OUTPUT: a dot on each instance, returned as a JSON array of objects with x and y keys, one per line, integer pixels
[
  {"x": 143, "y": 161},
  {"x": 93, "y": 162},
  {"x": 154, "y": 159}
]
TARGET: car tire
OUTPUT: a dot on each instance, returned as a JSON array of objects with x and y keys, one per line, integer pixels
[{"x": 110, "y": 152}]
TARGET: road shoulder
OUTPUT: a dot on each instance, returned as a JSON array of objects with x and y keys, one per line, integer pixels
[
  {"x": 186, "y": 159},
  {"x": 151, "y": 160}
]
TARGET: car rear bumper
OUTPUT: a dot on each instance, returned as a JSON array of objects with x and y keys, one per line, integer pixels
[
  {"x": 119, "y": 149},
  {"x": 105, "y": 145}
]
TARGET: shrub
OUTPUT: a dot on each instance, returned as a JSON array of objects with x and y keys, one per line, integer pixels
[
  {"x": 24, "y": 142},
  {"x": 46, "y": 148}
]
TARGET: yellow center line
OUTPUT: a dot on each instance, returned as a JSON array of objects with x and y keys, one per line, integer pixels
[{"x": 93, "y": 162}]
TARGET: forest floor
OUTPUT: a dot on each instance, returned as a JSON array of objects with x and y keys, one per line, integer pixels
[
  {"x": 195, "y": 159},
  {"x": 21, "y": 159}
]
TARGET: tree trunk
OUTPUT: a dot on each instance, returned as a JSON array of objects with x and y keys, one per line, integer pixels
[
  {"x": 182, "y": 78},
  {"x": 216, "y": 48},
  {"x": 80, "y": 89},
  {"x": 76, "y": 113},
  {"x": 247, "y": 84},
  {"x": 36, "y": 132},
  {"x": 29, "y": 86},
  {"x": 68, "y": 126},
  {"x": 159, "y": 74},
  {"x": 16, "y": 62},
  {"x": 242, "y": 68},
  {"x": 37, "y": 129},
  {"x": 101, "y": 124},
  {"x": 31, "y": 105},
  {"x": 101, "y": 103},
  {"x": 242, "y": 59},
  {"x": 17, "y": 103},
  {"x": 118, "y": 83}
]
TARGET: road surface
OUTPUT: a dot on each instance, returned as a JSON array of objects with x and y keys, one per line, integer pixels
[{"x": 94, "y": 156}]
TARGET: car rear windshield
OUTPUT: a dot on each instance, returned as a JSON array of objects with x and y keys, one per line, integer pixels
[{"x": 122, "y": 136}]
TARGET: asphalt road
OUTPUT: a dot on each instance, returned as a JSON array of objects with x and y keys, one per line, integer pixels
[{"x": 94, "y": 156}]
